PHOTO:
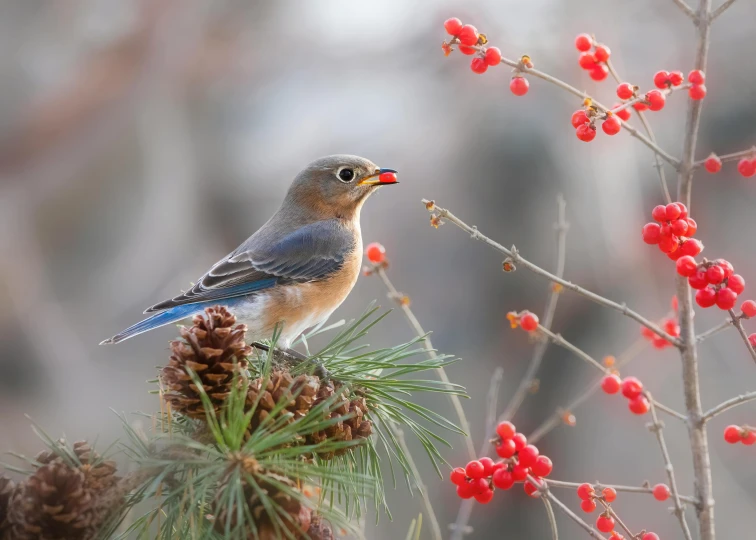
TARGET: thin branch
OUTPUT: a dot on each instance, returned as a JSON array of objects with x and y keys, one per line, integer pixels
[
  {"x": 739, "y": 325},
  {"x": 644, "y": 490},
  {"x": 721, "y": 9},
  {"x": 561, "y": 225},
  {"x": 713, "y": 331},
  {"x": 735, "y": 156},
  {"x": 657, "y": 427},
  {"x": 593, "y": 533},
  {"x": 403, "y": 302},
  {"x": 551, "y": 518},
  {"x": 442, "y": 213},
  {"x": 616, "y": 517},
  {"x": 686, "y": 9},
  {"x": 729, "y": 404}
]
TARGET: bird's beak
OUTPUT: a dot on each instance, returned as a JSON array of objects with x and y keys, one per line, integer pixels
[{"x": 383, "y": 177}]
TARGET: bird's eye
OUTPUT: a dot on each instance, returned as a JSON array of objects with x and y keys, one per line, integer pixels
[{"x": 346, "y": 175}]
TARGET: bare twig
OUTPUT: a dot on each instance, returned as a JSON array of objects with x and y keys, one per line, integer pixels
[
  {"x": 657, "y": 427},
  {"x": 442, "y": 213},
  {"x": 721, "y": 9},
  {"x": 713, "y": 331},
  {"x": 593, "y": 533},
  {"x": 403, "y": 302},
  {"x": 729, "y": 404},
  {"x": 739, "y": 325},
  {"x": 686, "y": 9},
  {"x": 551, "y": 518},
  {"x": 645, "y": 490}
]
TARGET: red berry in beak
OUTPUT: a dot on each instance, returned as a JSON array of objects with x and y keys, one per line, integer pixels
[{"x": 387, "y": 178}]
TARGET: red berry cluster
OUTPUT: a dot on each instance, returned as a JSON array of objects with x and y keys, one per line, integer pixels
[
  {"x": 584, "y": 122},
  {"x": 746, "y": 166},
  {"x": 481, "y": 476},
  {"x": 605, "y": 521},
  {"x": 631, "y": 388},
  {"x": 673, "y": 231},
  {"x": 593, "y": 57},
  {"x": 716, "y": 281},
  {"x": 736, "y": 434},
  {"x": 471, "y": 42},
  {"x": 669, "y": 325},
  {"x": 697, "y": 89},
  {"x": 526, "y": 320}
]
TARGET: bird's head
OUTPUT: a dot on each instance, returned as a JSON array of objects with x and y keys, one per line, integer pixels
[{"x": 338, "y": 185}]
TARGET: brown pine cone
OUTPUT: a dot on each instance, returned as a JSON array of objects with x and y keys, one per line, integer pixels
[
  {"x": 320, "y": 529},
  {"x": 6, "y": 490},
  {"x": 214, "y": 348}
]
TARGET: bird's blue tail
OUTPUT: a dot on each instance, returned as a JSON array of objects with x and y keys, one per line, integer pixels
[{"x": 168, "y": 316}]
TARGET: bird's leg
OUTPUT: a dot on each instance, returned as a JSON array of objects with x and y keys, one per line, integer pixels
[{"x": 290, "y": 356}]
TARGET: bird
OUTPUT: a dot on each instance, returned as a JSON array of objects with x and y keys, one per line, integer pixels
[{"x": 297, "y": 268}]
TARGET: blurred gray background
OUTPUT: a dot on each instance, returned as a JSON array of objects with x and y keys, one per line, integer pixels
[{"x": 142, "y": 141}]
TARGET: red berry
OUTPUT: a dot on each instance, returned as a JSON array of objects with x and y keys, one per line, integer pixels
[
  {"x": 676, "y": 78},
  {"x": 698, "y": 280},
  {"x": 488, "y": 466},
  {"x": 651, "y": 233},
  {"x": 692, "y": 227},
  {"x": 531, "y": 488},
  {"x": 668, "y": 244},
  {"x": 502, "y": 479},
  {"x": 616, "y": 536},
  {"x": 484, "y": 497},
  {"x": 519, "y": 473},
  {"x": 748, "y": 437},
  {"x": 732, "y": 434},
  {"x": 505, "y": 430},
  {"x": 683, "y": 210},
  {"x": 527, "y": 456},
  {"x": 453, "y": 26},
  {"x": 650, "y": 536},
  {"x": 605, "y": 523},
  {"x": 458, "y": 476},
  {"x": 602, "y": 53},
  {"x": 585, "y": 491},
  {"x": 631, "y": 387},
  {"x": 506, "y": 449},
  {"x": 387, "y": 178},
  {"x": 706, "y": 297},
  {"x": 468, "y": 35},
  {"x": 588, "y": 505},
  {"x": 599, "y": 72},
  {"x": 726, "y": 266},
  {"x": 479, "y": 485},
  {"x": 609, "y": 494},
  {"x": 542, "y": 467},
  {"x": 686, "y": 266},
  {"x": 747, "y": 167},
  {"x": 656, "y": 100},
  {"x": 520, "y": 441},
  {"x": 465, "y": 491},
  {"x": 697, "y": 91},
  {"x": 529, "y": 321},
  {"x": 375, "y": 252},
  {"x": 478, "y": 65},
  {"x": 587, "y": 60},
  {"x": 679, "y": 227},
  {"x": 493, "y": 56},
  {"x": 659, "y": 213},
  {"x": 475, "y": 469},
  {"x": 752, "y": 340},
  {"x": 672, "y": 210},
  {"x": 748, "y": 308},
  {"x": 586, "y": 133},
  {"x": 519, "y": 86},
  {"x": 696, "y": 77},
  {"x": 691, "y": 246},
  {"x": 579, "y": 118},
  {"x": 736, "y": 283},
  {"x": 661, "y": 79},
  {"x": 661, "y": 492},
  {"x": 672, "y": 328},
  {"x": 625, "y": 90},
  {"x": 611, "y": 125},
  {"x": 726, "y": 299},
  {"x": 715, "y": 274},
  {"x": 639, "y": 405},
  {"x": 467, "y": 50},
  {"x": 640, "y": 106},
  {"x": 611, "y": 384},
  {"x": 713, "y": 164},
  {"x": 623, "y": 114},
  {"x": 583, "y": 42}
]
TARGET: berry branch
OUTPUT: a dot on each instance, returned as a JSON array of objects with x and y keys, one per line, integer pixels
[
  {"x": 552, "y": 519},
  {"x": 721, "y": 9},
  {"x": 686, "y": 9},
  {"x": 746, "y": 339},
  {"x": 438, "y": 215},
  {"x": 729, "y": 404},
  {"x": 657, "y": 427},
  {"x": 593, "y": 533},
  {"x": 613, "y": 517},
  {"x": 646, "y": 490}
]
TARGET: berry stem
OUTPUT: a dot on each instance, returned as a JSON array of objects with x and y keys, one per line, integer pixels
[
  {"x": 716, "y": 329},
  {"x": 736, "y": 321},
  {"x": 626, "y": 489},
  {"x": 442, "y": 213},
  {"x": 551, "y": 517},
  {"x": 735, "y": 156},
  {"x": 657, "y": 428},
  {"x": 593, "y": 533},
  {"x": 617, "y": 519},
  {"x": 729, "y": 404}
]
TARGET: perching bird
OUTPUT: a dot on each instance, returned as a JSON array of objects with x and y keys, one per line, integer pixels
[{"x": 298, "y": 267}]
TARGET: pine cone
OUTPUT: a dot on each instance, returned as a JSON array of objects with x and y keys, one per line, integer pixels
[
  {"x": 320, "y": 529},
  {"x": 302, "y": 393},
  {"x": 214, "y": 348},
  {"x": 299, "y": 515},
  {"x": 6, "y": 490}
]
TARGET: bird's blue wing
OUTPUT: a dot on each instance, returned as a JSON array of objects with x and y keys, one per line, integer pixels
[{"x": 309, "y": 253}]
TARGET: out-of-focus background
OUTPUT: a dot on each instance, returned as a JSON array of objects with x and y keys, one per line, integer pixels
[{"x": 142, "y": 141}]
